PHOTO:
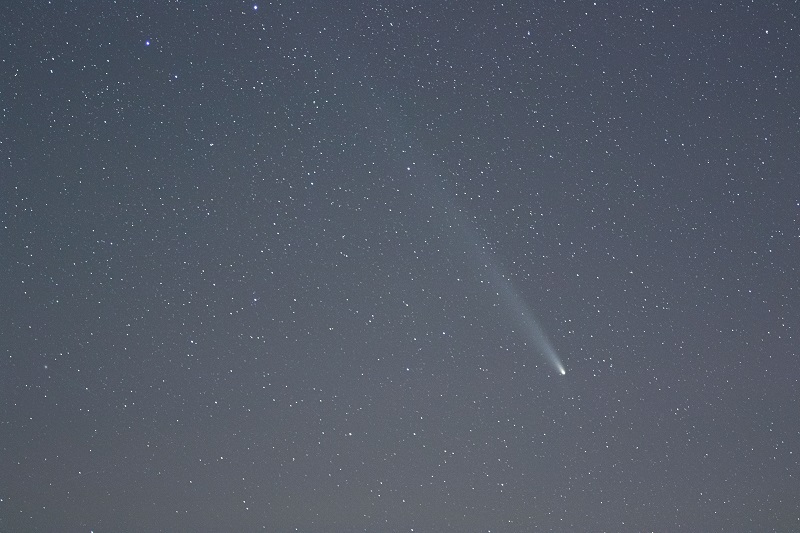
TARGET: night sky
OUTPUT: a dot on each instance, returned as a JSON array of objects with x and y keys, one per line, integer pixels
[{"x": 317, "y": 266}]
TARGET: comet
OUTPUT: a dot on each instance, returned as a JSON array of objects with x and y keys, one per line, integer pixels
[
  {"x": 536, "y": 335},
  {"x": 453, "y": 217},
  {"x": 523, "y": 314}
]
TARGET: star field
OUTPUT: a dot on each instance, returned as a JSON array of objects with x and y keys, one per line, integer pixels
[{"x": 313, "y": 266}]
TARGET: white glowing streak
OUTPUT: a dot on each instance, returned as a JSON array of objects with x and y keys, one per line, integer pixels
[
  {"x": 524, "y": 316},
  {"x": 484, "y": 261}
]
